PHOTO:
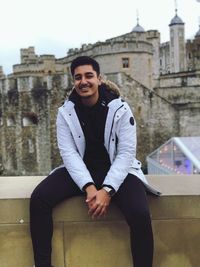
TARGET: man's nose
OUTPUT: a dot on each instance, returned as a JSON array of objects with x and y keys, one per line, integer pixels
[{"x": 83, "y": 80}]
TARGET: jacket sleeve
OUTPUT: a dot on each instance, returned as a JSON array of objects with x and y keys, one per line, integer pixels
[
  {"x": 72, "y": 160},
  {"x": 125, "y": 150}
]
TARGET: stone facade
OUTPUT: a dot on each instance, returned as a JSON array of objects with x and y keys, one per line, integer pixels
[
  {"x": 162, "y": 90},
  {"x": 193, "y": 53},
  {"x": 134, "y": 53},
  {"x": 28, "y": 112}
]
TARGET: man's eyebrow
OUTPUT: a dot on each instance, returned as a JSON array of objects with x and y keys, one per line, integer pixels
[
  {"x": 89, "y": 72},
  {"x": 78, "y": 74}
]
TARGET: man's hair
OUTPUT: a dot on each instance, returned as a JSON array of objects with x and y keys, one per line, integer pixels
[{"x": 84, "y": 60}]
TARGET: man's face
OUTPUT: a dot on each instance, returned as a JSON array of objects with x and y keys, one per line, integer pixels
[{"x": 86, "y": 81}]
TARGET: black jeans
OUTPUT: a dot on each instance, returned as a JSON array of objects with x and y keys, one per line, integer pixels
[{"x": 130, "y": 198}]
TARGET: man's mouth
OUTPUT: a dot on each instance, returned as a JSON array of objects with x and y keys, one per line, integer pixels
[{"x": 84, "y": 87}]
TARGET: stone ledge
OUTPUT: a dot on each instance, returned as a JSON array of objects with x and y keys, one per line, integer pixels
[
  {"x": 180, "y": 199},
  {"x": 170, "y": 185},
  {"x": 81, "y": 242}
]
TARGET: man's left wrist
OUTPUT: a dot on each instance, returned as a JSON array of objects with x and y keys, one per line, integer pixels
[{"x": 109, "y": 190}]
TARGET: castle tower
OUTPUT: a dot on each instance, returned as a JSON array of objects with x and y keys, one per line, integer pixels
[
  {"x": 177, "y": 44},
  {"x": 1, "y": 72}
]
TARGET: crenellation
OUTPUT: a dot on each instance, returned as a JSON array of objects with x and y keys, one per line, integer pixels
[{"x": 28, "y": 55}]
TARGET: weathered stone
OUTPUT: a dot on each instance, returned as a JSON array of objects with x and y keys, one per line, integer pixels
[{"x": 80, "y": 241}]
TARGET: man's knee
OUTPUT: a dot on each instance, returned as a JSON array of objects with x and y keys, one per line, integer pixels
[
  {"x": 38, "y": 200},
  {"x": 139, "y": 217}
]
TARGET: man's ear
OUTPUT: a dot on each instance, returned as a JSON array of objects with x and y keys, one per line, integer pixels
[{"x": 100, "y": 79}]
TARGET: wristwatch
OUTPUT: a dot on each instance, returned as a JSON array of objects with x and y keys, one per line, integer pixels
[{"x": 109, "y": 190}]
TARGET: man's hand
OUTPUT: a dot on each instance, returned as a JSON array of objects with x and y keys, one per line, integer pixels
[
  {"x": 98, "y": 202},
  {"x": 91, "y": 195}
]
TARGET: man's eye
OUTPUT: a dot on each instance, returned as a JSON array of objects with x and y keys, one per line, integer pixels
[
  {"x": 77, "y": 78},
  {"x": 89, "y": 76}
]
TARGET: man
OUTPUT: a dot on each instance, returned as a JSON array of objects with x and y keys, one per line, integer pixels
[{"x": 96, "y": 135}]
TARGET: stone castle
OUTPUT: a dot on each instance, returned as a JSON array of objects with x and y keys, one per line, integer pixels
[{"x": 161, "y": 82}]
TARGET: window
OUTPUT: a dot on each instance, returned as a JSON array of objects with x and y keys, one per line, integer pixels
[
  {"x": 29, "y": 119},
  {"x": 11, "y": 120},
  {"x": 125, "y": 62}
]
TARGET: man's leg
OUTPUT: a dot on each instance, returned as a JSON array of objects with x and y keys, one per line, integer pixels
[
  {"x": 52, "y": 190},
  {"x": 131, "y": 199}
]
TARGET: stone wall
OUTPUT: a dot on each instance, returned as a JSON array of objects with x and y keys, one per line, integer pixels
[
  {"x": 156, "y": 117},
  {"x": 28, "y": 113},
  {"x": 29, "y": 107},
  {"x": 185, "y": 98}
]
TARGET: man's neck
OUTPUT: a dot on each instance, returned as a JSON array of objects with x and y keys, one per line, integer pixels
[{"x": 90, "y": 101}]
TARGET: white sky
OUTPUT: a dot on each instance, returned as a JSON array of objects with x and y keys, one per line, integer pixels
[{"x": 54, "y": 26}]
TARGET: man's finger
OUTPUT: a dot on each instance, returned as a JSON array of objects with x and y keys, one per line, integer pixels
[
  {"x": 99, "y": 211},
  {"x": 103, "y": 211},
  {"x": 92, "y": 208},
  {"x": 90, "y": 199}
]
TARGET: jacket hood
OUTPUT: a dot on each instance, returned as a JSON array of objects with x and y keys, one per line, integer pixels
[{"x": 111, "y": 86}]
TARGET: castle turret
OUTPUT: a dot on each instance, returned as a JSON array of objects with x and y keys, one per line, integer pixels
[
  {"x": 177, "y": 44},
  {"x": 138, "y": 28}
]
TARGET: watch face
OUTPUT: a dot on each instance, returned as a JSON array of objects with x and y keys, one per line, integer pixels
[{"x": 109, "y": 190}]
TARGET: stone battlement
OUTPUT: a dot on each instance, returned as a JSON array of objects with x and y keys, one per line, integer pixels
[{"x": 80, "y": 241}]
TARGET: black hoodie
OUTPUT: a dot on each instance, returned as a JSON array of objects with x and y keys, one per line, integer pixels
[{"x": 92, "y": 120}]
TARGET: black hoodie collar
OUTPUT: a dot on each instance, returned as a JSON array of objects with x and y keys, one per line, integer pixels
[{"x": 106, "y": 96}]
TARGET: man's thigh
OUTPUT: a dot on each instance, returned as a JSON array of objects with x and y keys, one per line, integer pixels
[
  {"x": 131, "y": 196},
  {"x": 57, "y": 186}
]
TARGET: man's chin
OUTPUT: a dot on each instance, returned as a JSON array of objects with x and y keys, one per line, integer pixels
[{"x": 85, "y": 96}]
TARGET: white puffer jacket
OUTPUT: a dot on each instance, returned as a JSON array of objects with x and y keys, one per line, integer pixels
[{"x": 120, "y": 125}]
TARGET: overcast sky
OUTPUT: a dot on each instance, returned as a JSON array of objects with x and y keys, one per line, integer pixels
[{"x": 54, "y": 26}]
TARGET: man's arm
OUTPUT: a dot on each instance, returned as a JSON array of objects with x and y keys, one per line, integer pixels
[
  {"x": 71, "y": 158},
  {"x": 125, "y": 152},
  {"x": 97, "y": 201}
]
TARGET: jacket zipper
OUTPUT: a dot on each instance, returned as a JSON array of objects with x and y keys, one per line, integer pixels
[{"x": 112, "y": 126}]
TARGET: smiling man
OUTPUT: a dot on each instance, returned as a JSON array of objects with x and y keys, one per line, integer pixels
[
  {"x": 96, "y": 134},
  {"x": 86, "y": 84}
]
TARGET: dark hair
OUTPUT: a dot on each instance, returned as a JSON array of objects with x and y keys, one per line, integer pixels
[{"x": 84, "y": 60}]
